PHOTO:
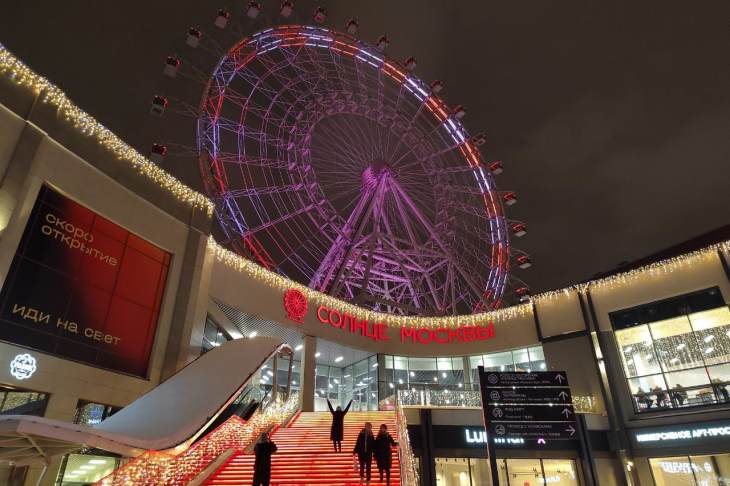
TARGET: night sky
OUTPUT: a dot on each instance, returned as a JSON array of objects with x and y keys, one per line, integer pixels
[{"x": 612, "y": 118}]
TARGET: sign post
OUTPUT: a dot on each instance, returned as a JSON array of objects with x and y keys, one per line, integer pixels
[{"x": 525, "y": 405}]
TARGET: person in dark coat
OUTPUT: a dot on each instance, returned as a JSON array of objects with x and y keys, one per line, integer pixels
[
  {"x": 338, "y": 425},
  {"x": 383, "y": 454},
  {"x": 263, "y": 450},
  {"x": 364, "y": 450}
]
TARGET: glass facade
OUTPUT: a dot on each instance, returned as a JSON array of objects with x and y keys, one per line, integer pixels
[
  {"x": 16, "y": 401},
  {"x": 512, "y": 472},
  {"x": 531, "y": 472},
  {"x": 213, "y": 336},
  {"x": 461, "y": 471},
  {"x": 705, "y": 470},
  {"x": 681, "y": 361}
]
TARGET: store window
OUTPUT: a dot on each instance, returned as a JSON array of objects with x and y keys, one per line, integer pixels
[
  {"x": 90, "y": 465},
  {"x": 90, "y": 413},
  {"x": 705, "y": 470},
  {"x": 512, "y": 472},
  {"x": 213, "y": 336},
  {"x": 17, "y": 401},
  {"x": 679, "y": 360},
  {"x": 524, "y": 359},
  {"x": 538, "y": 472}
]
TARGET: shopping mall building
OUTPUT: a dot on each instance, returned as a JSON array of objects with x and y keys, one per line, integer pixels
[{"x": 111, "y": 283}]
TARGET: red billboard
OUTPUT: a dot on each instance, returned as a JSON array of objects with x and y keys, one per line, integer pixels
[{"x": 83, "y": 288}]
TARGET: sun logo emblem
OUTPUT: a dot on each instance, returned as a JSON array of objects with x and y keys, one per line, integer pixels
[{"x": 295, "y": 304}]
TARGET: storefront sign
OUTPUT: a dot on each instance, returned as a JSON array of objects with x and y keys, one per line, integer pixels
[
  {"x": 682, "y": 434},
  {"x": 379, "y": 331},
  {"x": 475, "y": 437},
  {"x": 83, "y": 288},
  {"x": 23, "y": 366}
]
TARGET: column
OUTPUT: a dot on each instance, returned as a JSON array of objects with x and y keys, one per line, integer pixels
[{"x": 306, "y": 388}]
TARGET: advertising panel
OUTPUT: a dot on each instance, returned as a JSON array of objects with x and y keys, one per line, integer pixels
[{"x": 83, "y": 288}]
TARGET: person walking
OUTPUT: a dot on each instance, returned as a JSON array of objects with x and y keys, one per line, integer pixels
[
  {"x": 263, "y": 450},
  {"x": 338, "y": 425},
  {"x": 364, "y": 450},
  {"x": 383, "y": 453}
]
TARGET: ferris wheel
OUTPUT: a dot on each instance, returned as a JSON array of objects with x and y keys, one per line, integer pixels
[{"x": 334, "y": 165}]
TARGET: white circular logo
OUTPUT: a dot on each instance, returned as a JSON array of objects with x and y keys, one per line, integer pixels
[
  {"x": 492, "y": 379},
  {"x": 23, "y": 366}
]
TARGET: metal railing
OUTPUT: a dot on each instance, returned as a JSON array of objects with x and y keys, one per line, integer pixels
[{"x": 408, "y": 470}]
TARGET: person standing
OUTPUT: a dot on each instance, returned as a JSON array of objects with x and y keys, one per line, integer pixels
[
  {"x": 263, "y": 450},
  {"x": 364, "y": 450},
  {"x": 383, "y": 454},
  {"x": 338, "y": 425}
]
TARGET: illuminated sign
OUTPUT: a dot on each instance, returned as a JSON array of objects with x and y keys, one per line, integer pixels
[
  {"x": 479, "y": 437},
  {"x": 683, "y": 434},
  {"x": 295, "y": 304},
  {"x": 23, "y": 366},
  {"x": 378, "y": 331},
  {"x": 475, "y": 436},
  {"x": 83, "y": 288}
]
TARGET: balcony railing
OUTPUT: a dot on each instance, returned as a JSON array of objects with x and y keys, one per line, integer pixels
[{"x": 685, "y": 397}]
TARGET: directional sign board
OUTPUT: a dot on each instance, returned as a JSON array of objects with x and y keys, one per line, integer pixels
[
  {"x": 553, "y": 395},
  {"x": 535, "y": 378},
  {"x": 529, "y": 413},
  {"x": 533, "y": 431},
  {"x": 525, "y": 406}
]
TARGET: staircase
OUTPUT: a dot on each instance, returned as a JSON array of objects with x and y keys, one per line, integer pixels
[{"x": 305, "y": 455}]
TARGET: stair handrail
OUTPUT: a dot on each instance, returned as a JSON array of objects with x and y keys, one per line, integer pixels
[{"x": 408, "y": 470}]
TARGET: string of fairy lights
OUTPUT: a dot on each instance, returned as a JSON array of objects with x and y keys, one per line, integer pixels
[
  {"x": 16, "y": 71},
  {"x": 276, "y": 281}
]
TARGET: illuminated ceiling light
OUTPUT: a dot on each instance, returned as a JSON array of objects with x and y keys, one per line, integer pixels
[
  {"x": 542, "y": 366},
  {"x": 346, "y": 376},
  {"x": 501, "y": 368},
  {"x": 461, "y": 385},
  {"x": 329, "y": 386},
  {"x": 317, "y": 354},
  {"x": 375, "y": 365},
  {"x": 443, "y": 374},
  {"x": 391, "y": 385},
  {"x": 435, "y": 378},
  {"x": 681, "y": 346},
  {"x": 629, "y": 349},
  {"x": 86, "y": 466},
  {"x": 299, "y": 347},
  {"x": 413, "y": 374},
  {"x": 400, "y": 381},
  {"x": 674, "y": 360},
  {"x": 97, "y": 461},
  {"x": 293, "y": 382},
  {"x": 709, "y": 338},
  {"x": 709, "y": 350},
  {"x": 269, "y": 372},
  {"x": 336, "y": 380},
  {"x": 253, "y": 334},
  {"x": 339, "y": 358}
]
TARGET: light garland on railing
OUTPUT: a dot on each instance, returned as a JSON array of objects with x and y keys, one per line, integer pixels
[
  {"x": 19, "y": 73},
  {"x": 278, "y": 282},
  {"x": 656, "y": 269},
  {"x": 154, "y": 467}
]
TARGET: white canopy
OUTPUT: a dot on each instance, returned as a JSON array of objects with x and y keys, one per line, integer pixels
[{"x": 171, "y": 415}]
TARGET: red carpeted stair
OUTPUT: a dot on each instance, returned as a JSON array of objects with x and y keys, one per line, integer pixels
[{"x": 305, "y": 455}]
